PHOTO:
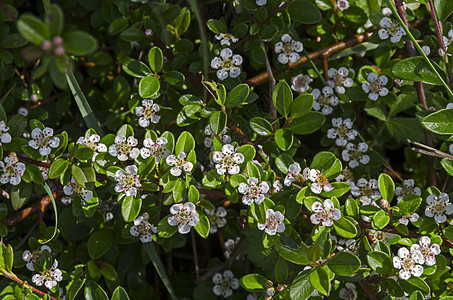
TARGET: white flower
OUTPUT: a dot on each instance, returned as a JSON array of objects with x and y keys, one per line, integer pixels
[
  {"x": 230, "y": 244},
  {"x": 394, "y": 30},
  {"x": 342, "y": 4},
  {"x": 300, "y": 83},
  {"x": 375, "y": 86},
  {"x": 65, "y": 200},
  {"x": 355, "y": 154},
  {"x": 48, "y": 277},
  {"x": 5, "y": 137},
  {"x": 349, "y": 292},
  {"x": 216, "y": 218},
  {"x": 324, "y": 101},
  {"x": 179, "y": 164},
  {"x": 342, "y": 131},
  {"x": 210, "y": 137},
  {"x": 447, "y": 42},
  {"x": 277, "y": 186},
  {"x": 143, "y": 229},
  {"x": 227, "y": 64},
  {"x": 224, "y": 285},
  {"x": 155, "y": 148},
  {"x": 426, "y": 50},
  {"x": 261, "y": 2},
  {"x": 365, "y": 190},
  {"x": 147, "y": 112},
  {"x": 408, "y": 188},
  {"x": 33, "y": 256},
  {"x": 22, "y": 111},
  {"x": 293, "y": 174},
  {"x": 274, "y": 222},
  {"x": 252, "y": 191},
  {"x": 226, "y": 39},
  {"x": 346, "y": 176},
  {"x": 127, "y": 182},
  {"x": 413, "y": 217},
  {"x": 324, "y": 213},
  {"x": 428, "y": 251},
  {"x": 407, "y": 262},
  {"x": 288, "y": 49},
  {"x": 339, "y": 79},
  {"x": 92, "y": 142},
  {"x": 124, "y": 148},
  {"x": 438, "y": 207},
  {"x": 184, "y": 216},
  {"x": 11, "y": 169},
  {"x": 320, "y": 182},
  {"x": 43, "y": 140},
  {"x": 227, "y": 160},
  {"x": 72, "y": 187}
]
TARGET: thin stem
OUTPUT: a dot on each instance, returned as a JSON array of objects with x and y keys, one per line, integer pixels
[
  {"x": 272, "y": 82},
  {"x": 324, "y": 82},
  {"x": 14, "y": 278},
  {"x": 419, "y": 49},
  {"x": 195, "y": 255}
]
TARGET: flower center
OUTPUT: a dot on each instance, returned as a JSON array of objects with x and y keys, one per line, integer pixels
[
  {"x": 375, "y": 86},
  {"x": 323, "y": 100},
  {"x": 407, "y": 263},
  {"x": 338, "y": 79},
  {"x": 438, "y": 207}
]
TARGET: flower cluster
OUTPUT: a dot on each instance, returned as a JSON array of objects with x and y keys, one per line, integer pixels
[
  {"x": 226, "y": 39},
  {"x": 143, "y": 229},
  {"x": 92, "y": 142},
  {"x": 147, "y": 113},
  {"x": 355, "y": 154},
  {"x": 73, "y": 187},
  {"x": 11, "y": 169},
  {"x": 325, "y": 100},
  {"x": 48, "y": 277},
  {"x": 342, "y": 131},
  {"x": 339, "y": 79},
  {"x": 32, "y": 257},
  {"x": 210, "y": 137},
  {"x": 287, "y": 49},
  {"x": 253, "y": 191},
  {"x": 324, "y": 213},
  {"x": 127, "y": 182},
  {"x": 5, "y": 137},
  {"x": 227, "y": 64},
  {"x": 184, "y": 216},
  {"x": 375, "y": 86},
  {"x": 274, "y": 222},
  {"x": 300, "y": 83},
  {"x": 124, "y": 148},
  {"x": 390, "y": 29},
  {"x": 366, "y": 190},
  {"x": 225, "y": 284},
  {"x": 155, "y": 148},
  {"x": 179, "y": 164},
  {"x": 319, "y": 181},
  {"x": 408, "y": 262},
  {"x": 438, "y": 207},
  {"x": 227, "y": 160},
  {"x": 408, "y": 188},
  {"x": 216, "y": 218},
  {"x": 42, "y": 140}
]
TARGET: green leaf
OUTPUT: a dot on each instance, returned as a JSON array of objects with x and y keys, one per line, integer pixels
[
  {"x": 6, "y": 257},
  {"x": 258, "y": 212},
  {"x": 447, "y": 164},
  {"x": 308, "y": 124},
  {"x": 164, "y": 229},
  {"x": 319, "y": 278},
  {"x": 304, "y": 12},
  {"x": 217, "y": 122},
  {"x": 415, "y": 284},
  {"x": 20, "y": 194},
  {"x": 216, "y": 26},
  {"x": 301, "y": 288},
  {"x": 185, "y": 143},
  {"x": 379, "y": 262},
  {"x": 58, "y": 167},
  {"x": 386, "y": 186},
  {"x": 380, "y": 220},
  {"x": 297, "y": 256},
  {"x": 417, "y": 295},
  {"x": 345, "y": 228},
  {"x": 55, "y": 20},
  {"x": 284, "y": 138},
  {"x": 237, "y": 95},
  {"x": 344, "y": 264},
  {"x": 203, "y": 225},
  {"x": 99, "y": 243},
  {"x": 130, "y": 208},
  {"x": 302, "y": 105},
  {"x": 84, "y": 176},
  {"x": 33, "y": 29},
  {"x": 416, "y": 69},
  {"x": 84, "y": 153},
  {"x": 253, "y": 282},
  {"x": 248, "y": 151},
  {"x": 440, "y": 122},
  {"x": 148, "y": 86},
  {"x": 155, "y": 59},
  {"x": 136, "y": 68},
  {"x": 352, "y": 208},
  {"x": 94, "y": 292},
  {"x": 133, "y": 35},
  {"x": 443, "y": 8},
  {"x": 314, "y": 252},
  {"x": 174, "y": 77},
  {"x": 327, "y": 163},
  {"x": 261, "y": 126},
  {"x": 408, "y": 204},
  {"x": 281, "y": 270},
  {"x": 282, "y": 98},
  {"x": 79, "y": 42},
  {"x": 117, "y": 26}
]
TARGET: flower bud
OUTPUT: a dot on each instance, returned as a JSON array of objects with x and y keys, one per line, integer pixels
[
  {"x": 148, "y": 32},
  {"x": 34, "y": 97},
  {"x": 57, "y": 41},
  {"x": 268, "y": 284},
  {"x": 59, "y": 51},
  {"x": 384, "y": 203},
  {"x": 46, "y": 45}
]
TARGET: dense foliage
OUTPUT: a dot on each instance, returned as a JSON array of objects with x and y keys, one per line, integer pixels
[{"x": 243, "y": 149}]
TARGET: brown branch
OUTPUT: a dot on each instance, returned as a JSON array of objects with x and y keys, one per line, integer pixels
[
  {"x": 327, "y": 51},
  {"x": 363, "y": 284},
  {"x": 13, "y": 277},
  {"x": 34, "y": 162},
  {"x": 35, "y": 207}
]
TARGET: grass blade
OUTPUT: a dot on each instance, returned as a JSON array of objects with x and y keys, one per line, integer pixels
[{"x": 54, "y": 204}]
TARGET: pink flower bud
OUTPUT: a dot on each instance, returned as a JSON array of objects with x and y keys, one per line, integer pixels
[
  {"x": 148, "y": 32},
  {"x": 34, "y": 97},
  {"x": 268, "y": 284},
  {"x": 59, "y": 51},
  {"x": 57, "y": 41},
  {"x": 270, "y": 291},
  {"x": 46, "y": 45},
  {"x": 432, "y": 108},
  {"x": 280, "y": 287},
  {"x": 384, "y": 203}
]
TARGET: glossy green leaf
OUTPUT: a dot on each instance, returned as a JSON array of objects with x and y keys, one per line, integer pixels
[
  {"x": 253, "y": 282},
  {"x": 237, "y": 95},
  {"x": 130, "y": 208},
  {"x": 319, "y": 279},
  {"x": 308, "y": 124},
  {"x": 344, "y": 263},
  {"x": 440, "y": 122},
  {"x": 148, "y": 86},
  {"x": 99, "y": 243},
  {"x": 58, "y": 167},
  {"x": 380, "y": 220},
  {"x": 345, "y": 228},
  {"x": 217, "y": 122},
  {"x": 33, "y": 29},
  {"x": 282, "y": 98},
  {"x": 416, "y": 69},
  {"x": 302, "y": 105},
  {"x": 79, "y": 42},
  {"x": 379, "y": 262},
  {"x": 136, "y": 68},
  {"x": 284, "y": 138},
  {"x": 261, "y": 126},
  {"x": 304, "y": 12},
  {"x": 155, "y": 59},
  {"x": 386, "y": 186}
]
